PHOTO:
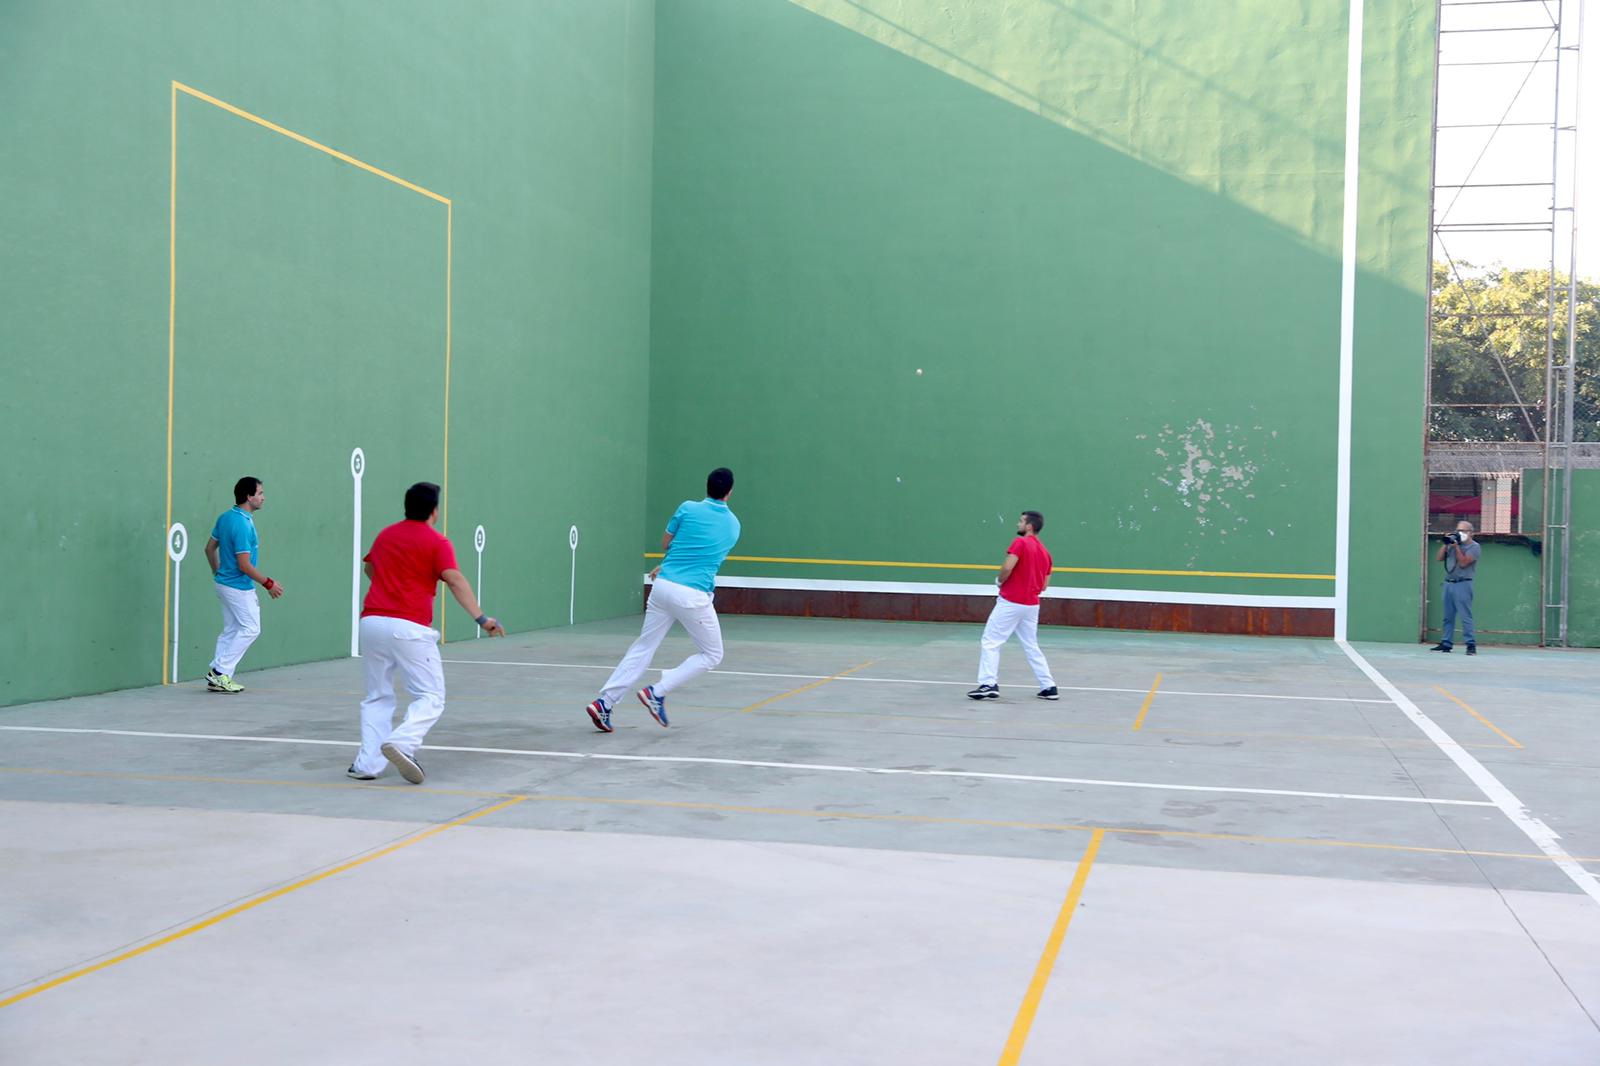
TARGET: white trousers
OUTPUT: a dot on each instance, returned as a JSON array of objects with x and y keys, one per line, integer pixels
[
  {"x": 1005, "y": 619},
  {"x": 241, "y": 625},
  {"x": 669, "y": 602},
  {"x": 395, "y": 649}
]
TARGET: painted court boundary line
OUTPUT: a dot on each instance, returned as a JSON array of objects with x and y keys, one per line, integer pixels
[
  {"x": 1012, "y": 1053},
  {"x": 1543, "y": 837},
  {"x": 698, "y": 760},
  {"x": 1055, "y": 592},
  {"x": 903, "y": 564},
  {"x": 921, "y": 681},
  {"x": 179, "y": 87},
  {"x": 388, "y": 790},
  {"x": 255, "y": 901}
]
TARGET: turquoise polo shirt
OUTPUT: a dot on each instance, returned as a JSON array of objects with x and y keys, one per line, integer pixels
[
  {"x": 234, "y": 532},
  {"x": 703, "y": 533}
]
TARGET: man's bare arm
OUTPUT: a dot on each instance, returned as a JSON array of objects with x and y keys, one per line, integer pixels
[
  {"x": 242, "y": 560},
  {"x": 469, "y": 603},
  {"x": 1005, "y": 569}
]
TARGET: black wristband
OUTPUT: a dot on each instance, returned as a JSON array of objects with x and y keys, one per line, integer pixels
[{"x": 482, "y": 620}]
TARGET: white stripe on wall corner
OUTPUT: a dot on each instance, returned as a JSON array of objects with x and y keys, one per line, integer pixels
[{"x": 1347, "y": 316}]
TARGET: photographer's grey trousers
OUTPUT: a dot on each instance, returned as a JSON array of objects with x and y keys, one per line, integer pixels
[{"x": 1458, "y": 600}]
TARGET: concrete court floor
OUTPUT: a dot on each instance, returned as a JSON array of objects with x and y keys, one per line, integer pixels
[{"x": 1269, "y": 885}]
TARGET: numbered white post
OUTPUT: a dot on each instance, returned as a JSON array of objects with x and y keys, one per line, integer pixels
[
  {"x": 177, "y": 548},
  {"x": 477, "y": 542},
  {"x": 572, "y": 602},
  {"x": 358, "y": 466}
]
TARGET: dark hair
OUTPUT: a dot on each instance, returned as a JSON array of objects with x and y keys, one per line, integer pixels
[
  {"x": 1034, "y": 519},
  {"x": 245, "y": 488},
  {"x": 719, "y": 483},
  {"x": 422, "y": 499}
]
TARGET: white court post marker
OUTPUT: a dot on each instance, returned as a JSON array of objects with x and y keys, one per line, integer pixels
[
  {"x": 358, "y": 466},
  {"x": 572, "y": 600},
  {"x": 478, "y": 542},
  {"x": 177, "y": 548}
]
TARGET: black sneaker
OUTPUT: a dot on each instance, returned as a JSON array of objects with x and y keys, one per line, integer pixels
[
  {"x": 1441, "y": 647},
  {"x": 409, "y": 767},
  {"x": 358, "y": 775},
  {"x": 1472, "y": 649},
  {"x": 1049, "y": 693},
  {"x": 985, "y": 692}
]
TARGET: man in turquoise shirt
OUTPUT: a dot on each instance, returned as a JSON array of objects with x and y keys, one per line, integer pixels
[
  {"x": 697, "y": 540},
  {"x": 232, "y": 552}
]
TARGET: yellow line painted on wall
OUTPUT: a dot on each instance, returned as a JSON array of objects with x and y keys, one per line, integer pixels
[
  {"x": 449, "y": 269},
  {"x": 1144, "y": 708},
  {"x": 265, "y": 897},
  {"x": 307, "y": 141},
  {"x": 992, "y": 568},
  {"x": 172, "y": 305},
  {"x": 1047, "y": 960},
  {"x": 1467, "y": 707},
  {"x": 806, "y": 688}
]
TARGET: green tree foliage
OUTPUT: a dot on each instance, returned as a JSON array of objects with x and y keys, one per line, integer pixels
[{"x": 1465, "y": 346}]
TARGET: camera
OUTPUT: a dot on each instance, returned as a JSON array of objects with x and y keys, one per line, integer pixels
[{"x": 1452, "y": 538}]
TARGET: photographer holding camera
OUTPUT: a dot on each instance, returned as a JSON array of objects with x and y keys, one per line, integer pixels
[{"x": 1459, "y": 553}]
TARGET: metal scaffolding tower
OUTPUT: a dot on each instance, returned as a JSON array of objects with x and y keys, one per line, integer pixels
[{"x": 1505, "y": 193}]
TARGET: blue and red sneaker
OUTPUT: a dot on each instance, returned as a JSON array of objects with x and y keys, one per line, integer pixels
[
  {"x": 655, "y": 704},
  {"x": 601, "y": 715}
]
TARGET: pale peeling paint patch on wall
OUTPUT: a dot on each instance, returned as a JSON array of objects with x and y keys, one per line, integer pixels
[{"x": 1207, "y": 469}]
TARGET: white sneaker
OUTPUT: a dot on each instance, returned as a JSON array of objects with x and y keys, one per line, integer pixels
[{"x": 408, "y": 766}]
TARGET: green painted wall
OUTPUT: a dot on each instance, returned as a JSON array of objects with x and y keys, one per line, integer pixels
[
  {"x": 1107, "y": 232},
  {"x": 713, "y": 231},
  {"x": 310, "y": 309}
]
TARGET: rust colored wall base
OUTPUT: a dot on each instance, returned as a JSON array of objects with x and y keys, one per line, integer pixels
[{"x": 1105, "y": 614}]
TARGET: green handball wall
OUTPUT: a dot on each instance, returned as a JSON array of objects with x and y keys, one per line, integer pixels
[
  {"x": 1107, "y": 234},
  {"x": 686, "y": 234},
  {"x": 310, "y": 310}
]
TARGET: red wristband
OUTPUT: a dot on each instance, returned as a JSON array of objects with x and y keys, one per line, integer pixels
[{"x": 267, "y": 584}]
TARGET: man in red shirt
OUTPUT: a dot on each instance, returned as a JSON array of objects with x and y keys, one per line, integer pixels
[
  {"x": 405, "y": 566},
  {"x": 1023, "y": 576}
]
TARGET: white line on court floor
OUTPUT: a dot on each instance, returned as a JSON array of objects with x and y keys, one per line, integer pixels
[
  {"x": 1502, "y": 797},
  {"x": 824, "y": 767},
  {"x": 923, "y": 681}
]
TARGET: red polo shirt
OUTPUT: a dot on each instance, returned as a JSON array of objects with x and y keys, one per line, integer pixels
[
  {"x": 407, "y": 560},
  {"x": 1028, "y": 577}
]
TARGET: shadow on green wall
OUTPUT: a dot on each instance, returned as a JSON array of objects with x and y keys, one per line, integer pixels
[{"x": 1152, "y": 364}]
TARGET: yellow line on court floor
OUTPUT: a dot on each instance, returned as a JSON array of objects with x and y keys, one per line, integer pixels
[
  {"x": 1144, "y": 708},
  {"x": 1022, "y": 724},
  {"x": 1467, "y": 707},
  {"x": 815, "y": 815},
  {"x": 1093, "y": 727},
  {"x": 265, "y": 897},
  {"x": 1047, "y": 960},
  {"x": 347, "y": 786},
  {"x": 1052, "y": 827},
  {"x": 806, "y": 688}
]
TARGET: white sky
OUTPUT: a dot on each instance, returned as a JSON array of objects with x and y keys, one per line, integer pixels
[{"x": 1474, "y": 94}]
